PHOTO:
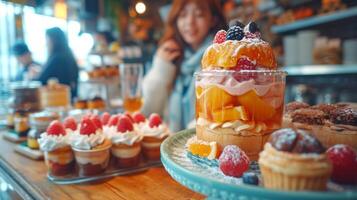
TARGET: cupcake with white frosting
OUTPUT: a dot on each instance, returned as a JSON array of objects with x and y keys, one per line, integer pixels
[
  {"x": 139, "y": 121},
  {"x": 58, "y": 153},
  {"x": 126, "y": 142},
  {"x": 154, "y": 133},
  {"x": 91, "y": 148}
]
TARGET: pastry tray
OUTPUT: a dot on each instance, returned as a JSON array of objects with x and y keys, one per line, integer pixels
[
  {"x": 203, "y": 176},
  {"x": 109, "y": 173},
  {"x": 24, "y": 150}
]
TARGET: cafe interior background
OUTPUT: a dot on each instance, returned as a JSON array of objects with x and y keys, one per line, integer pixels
[{"x": 315, "y": 41}]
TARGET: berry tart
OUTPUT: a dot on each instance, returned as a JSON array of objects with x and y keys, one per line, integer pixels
[
  {"x": 154, "y": 133},
  {"x": 331, "y": 123},
  {"x": 126, "y": 144},
  {"x": 91, "y": 147},
  {"x": 295, "y": 160},
  {"x": 58, "y": 153},
  {"x": 239, "y": 92}
]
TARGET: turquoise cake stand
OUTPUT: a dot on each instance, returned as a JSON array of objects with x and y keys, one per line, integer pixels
[{"x": 209, "y": 181}]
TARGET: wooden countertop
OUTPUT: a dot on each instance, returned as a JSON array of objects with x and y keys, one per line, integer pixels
[{"x": 154, "y": 183}]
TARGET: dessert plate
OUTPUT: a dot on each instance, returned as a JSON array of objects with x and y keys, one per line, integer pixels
[
  {"x": 208, "y": 180},
  {"x": 74, "y": 178}
]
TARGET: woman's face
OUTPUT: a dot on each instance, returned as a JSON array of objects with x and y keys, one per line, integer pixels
[{"x": 194, "y": 23}]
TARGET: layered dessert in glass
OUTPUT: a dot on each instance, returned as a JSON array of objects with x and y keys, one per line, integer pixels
[{"x": 239, "y": 92}]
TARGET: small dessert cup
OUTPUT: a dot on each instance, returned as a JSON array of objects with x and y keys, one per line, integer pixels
[
  {"x": 94, "y": 161},
  {"x": 60, "y": 162},
  {"x": 125, "y": 156},
  {"x": 239, "y": 107},
  {"x": 151, "y": 147}
]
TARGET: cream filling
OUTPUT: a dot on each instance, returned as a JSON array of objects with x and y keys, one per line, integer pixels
[
  {"x": 94, "y": 160},
  {"x": 126, "y": 153},
  {"x": 294, "y": 164},
  {"x": 63, "y": 158},
  {"x": 151, "y": 144}
]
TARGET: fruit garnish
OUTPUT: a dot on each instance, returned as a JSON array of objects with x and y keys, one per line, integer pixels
[
  {"x": 344, "y": 162},
  {"x": 216, "y": 98},
  {"x": 257, "y": 108},
  {"x": 105, "y": 118},
  {"x": 70, "y": 123},
  {"x": 124, "y": 124},
  {"x": 220, "y": 37},
  {"x": 233, "y": 161},
  {"x": 56, "y": 128},
  {"x": 252, "y": 27},
  {"x": 138, "y": 117},
  {"x": 251, "y": 30},
  {"x": 235, "y": 33},
  {"x": 230, "y": 114},
  {"x": 250, "y": 178},
  {"x": 129, "y": 116},
  {"x": 87, "y": 127},
  {"x": 154, "y": 120},
  {"x": 96, "y": 121},
  {"x": 203, "y": 149},
  {"x": 245, "y": 64},
  {"x": 113, "y": 121}
]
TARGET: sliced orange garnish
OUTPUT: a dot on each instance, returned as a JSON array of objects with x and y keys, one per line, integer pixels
[
  {"x": 215, "y": 98},
  {"x": 230, "y": 114},
  {"x": 258, "y": 109},
  {"x": 203, "y": 149}
]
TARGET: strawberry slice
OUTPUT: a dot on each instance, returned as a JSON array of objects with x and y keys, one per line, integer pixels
[
  {"x": 113, "y": 121},
  {"x": 70, "y": 123},
  {"x": 96, "y": 120},
  {"x": 56, "y": 128},
  {"x": 154, "y": 120},
  {"x": 124, "y": 124},
  {"x": 105, "y": 118},
  {"x": 138, "y": 117},
  {"x": 87, "y": 127}
]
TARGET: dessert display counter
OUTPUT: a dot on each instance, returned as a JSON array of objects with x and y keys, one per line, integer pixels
[{"x": 30, "y": 177}]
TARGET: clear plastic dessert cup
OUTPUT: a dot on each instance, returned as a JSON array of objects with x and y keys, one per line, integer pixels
[
  {"x": 239, "y": 107},
  {"x": 60, "y": 162}
]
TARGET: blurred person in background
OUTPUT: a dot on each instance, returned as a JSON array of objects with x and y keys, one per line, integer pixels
[
  {"x": 29, "y": 69},
  {"x": 61, "y": 63},
  {"x": 168, "y": 88}
]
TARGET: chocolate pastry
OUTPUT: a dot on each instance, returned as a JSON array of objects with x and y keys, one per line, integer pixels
[
  {"x": 292, "y": 106},
  {"x": 308, "y": 116},
  {"x": 295, "y": 141},
  {"x": 344, "y": 115},
  {"x": 326, "y": 108}
]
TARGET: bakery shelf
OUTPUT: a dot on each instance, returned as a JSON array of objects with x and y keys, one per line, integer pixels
[
  {"x": 303, "y": 70},
  {"x": 314, "y": 21}
]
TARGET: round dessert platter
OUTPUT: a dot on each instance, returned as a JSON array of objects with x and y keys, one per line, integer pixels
[{"x": 204, "y": 176}]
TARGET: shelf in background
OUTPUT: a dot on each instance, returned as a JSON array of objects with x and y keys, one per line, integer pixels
[
  {"x": 310, "y": 70},
  {"x": 317, "y": 20}
]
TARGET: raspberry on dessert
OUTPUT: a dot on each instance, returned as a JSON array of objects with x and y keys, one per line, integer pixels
[
  {"x": 87, "y": 127},
  {"x": 235, "y": 33},
  {"x": 154, "y": 120},
  {"x": 245, "y": 64},
  {"x": 124, "y": 124},
  {"x": 344, "y": 115},
  {"x": 250, "y": 178},
  {"x": 70, "y": 123},
  {"x": 129, "y": 116},
  {"x": 96, "y": 120},
  {"x": 220, "y": 37},
  {"x": 308, "y": 116},
  {"x": 292, "y": 106},
  {"x": 56, "y": 128},
  {"x": 105, "y": 118},
  {"x": 233, "y": 161},
  {"x": 138, "y": 117},
  {"x": 344, "y": 162},
  {"x": 113, "y": 121},
  {"x": 295, "y": 141}
]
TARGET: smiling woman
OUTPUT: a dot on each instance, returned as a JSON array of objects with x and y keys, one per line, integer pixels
[{"x": 189, "y": 30}]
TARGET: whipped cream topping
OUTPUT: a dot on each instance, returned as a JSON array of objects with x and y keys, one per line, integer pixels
[
  {"x": 128, "y": 138},
  {"x": 87, "y": 142},
  {"x": 159, "y": 131},
  {"x": 52, "y": 142},
  {"x": 139, "y": 126}
]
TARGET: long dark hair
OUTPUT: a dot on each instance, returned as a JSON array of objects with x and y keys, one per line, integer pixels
[{"x": 58, "y": 40}]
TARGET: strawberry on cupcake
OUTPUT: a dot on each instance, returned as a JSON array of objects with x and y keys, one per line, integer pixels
[
  {"x": 70, "y": 124},
  {"x": 90, "y": 146},
  {"x": 154, "y": 133},
  {"x": 126, "y": 143},
  {"x": 139, "y": 121},
  {"x": 58, "y": 153}
]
